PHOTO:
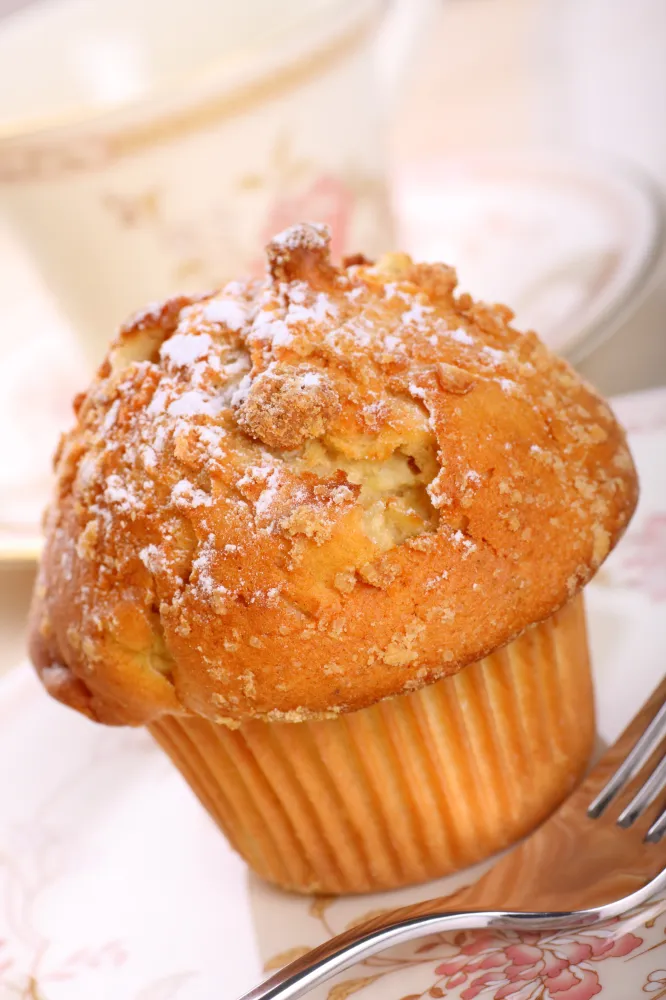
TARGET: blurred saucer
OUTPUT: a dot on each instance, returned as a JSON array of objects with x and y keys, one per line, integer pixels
[
  {"x": 569, "y": 243},
  {"x": 41, "y": 370}
]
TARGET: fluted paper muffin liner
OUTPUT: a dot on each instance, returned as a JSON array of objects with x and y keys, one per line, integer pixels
[{"x": 412, "y": 788}]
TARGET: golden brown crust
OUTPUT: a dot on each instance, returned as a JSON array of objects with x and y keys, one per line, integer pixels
[{"x": 296, "y": 497}]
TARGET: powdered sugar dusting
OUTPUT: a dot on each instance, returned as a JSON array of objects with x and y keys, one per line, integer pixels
[
  {"x": 157, "y": 404},
  {"x": 239, "y": 395},
  {"x": 268, "y": 494},
  {"x": 321, "y": 308},
  {"x": 184, "y": 494},
  {"x": 121, "y": 495},
  {"x": 55, "y": 674},
  {"x": 467, "y": 545},
  {"x": 225, "y": 311},
  {"x": 185, "y": 348},
  {"x": 203, "y": 577},
  {"x": 152, "y": 558},
  {"x": 393, "y": 343},
  {"x": 192, "y": 404},
  {"x": 461, "y": 336},
  {"x": 270, "y": 328},
  {"x": 417, "y": 314},
  {"x": 497, "y": 357},
  {"x": 417, "y": 390},
  {"x": 110, "y": 418},
  {"x": 302, "y": 236}
]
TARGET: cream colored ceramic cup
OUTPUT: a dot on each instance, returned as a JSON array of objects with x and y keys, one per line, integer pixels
[{"x": 150, "y": 147}]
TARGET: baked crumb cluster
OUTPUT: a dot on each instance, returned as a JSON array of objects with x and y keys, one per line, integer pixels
[{"x": 296, "y": 496}]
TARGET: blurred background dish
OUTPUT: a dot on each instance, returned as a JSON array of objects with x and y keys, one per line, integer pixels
[
  {"x": 600, "y": 78},
  {"x": 569, "y": 241},
  {"x": 155, "y": 147}
]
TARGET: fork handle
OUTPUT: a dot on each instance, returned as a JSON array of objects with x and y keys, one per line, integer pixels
[
  {"x": 345, "y": 950},
  {"x": 358, "y": 943}
]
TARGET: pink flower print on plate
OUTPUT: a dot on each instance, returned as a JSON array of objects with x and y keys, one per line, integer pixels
[
  {"x": 502, "y": 966},
  {"x": 644, "y": 558}
]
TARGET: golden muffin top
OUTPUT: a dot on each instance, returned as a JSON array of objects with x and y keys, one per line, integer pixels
[{"x": 294, "y": 497}]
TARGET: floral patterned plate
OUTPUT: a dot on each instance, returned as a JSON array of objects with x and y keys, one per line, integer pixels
[{"x": 114, "y": 885}]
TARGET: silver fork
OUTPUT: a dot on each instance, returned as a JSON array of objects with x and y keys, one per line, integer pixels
[{"x": 587, "y": 864}]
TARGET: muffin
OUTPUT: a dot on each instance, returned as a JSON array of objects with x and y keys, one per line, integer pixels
[{"x": 325, "y": 535}]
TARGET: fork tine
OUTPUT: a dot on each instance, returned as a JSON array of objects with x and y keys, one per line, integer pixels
[
  {"x": 633, "y": 762},
  {"x": 645, "y": 795},
  {"x": 657, "y": 830}
]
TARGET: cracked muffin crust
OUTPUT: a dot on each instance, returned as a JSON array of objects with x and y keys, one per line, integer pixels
[{"x": 295, "y": 497}]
